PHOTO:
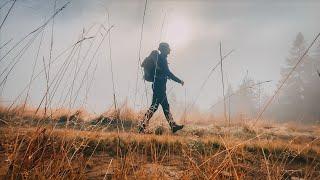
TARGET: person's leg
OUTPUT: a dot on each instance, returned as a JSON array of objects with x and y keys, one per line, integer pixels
[
  {"x": 152, "y": 109},
  {"x": 147, "y": 116},
  {"x": 166, "y": 110}
]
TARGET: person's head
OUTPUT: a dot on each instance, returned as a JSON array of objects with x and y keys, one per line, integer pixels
[{"x": 164, "y": 48}]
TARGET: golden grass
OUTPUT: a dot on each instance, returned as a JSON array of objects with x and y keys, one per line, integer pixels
[{"x": 239, "y": 151}]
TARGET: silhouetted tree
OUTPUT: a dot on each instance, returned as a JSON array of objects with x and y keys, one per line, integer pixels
[
  {"x": 246, "y": 98},
  {"x": 312, "y": 92},
  {"x": 299, "y": 93},
  {"x": 229, "y": 100}
]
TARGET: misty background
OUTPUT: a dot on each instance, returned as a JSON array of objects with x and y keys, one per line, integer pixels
[{"x": 267, "y": 37}]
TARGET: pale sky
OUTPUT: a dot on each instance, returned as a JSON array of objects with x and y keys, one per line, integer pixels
[{"x": 260, "y": 32}]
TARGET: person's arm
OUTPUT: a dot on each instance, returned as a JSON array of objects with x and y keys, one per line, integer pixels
[{"x": 170, "y": 74}]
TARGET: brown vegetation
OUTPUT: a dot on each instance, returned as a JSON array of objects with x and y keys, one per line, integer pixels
[{"x": 60, "y": 147}]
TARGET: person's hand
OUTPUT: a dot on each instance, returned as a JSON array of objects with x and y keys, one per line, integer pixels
[{"x": 182, "y": 83}]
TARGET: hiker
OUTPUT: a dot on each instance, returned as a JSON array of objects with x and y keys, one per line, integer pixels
[{"x": 159, "y": 81}]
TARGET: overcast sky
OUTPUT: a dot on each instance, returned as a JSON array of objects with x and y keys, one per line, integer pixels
[{"x": 260, "y": 32}]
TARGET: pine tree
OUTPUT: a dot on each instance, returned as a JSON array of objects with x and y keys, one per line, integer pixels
[
  {"x": 312, "y": 92},
  {"x": 316, "y": 59},
  {"x": 298, "y": 93},
  {"x": 229, "y": 101},
  {"x": 246, "y": 97}
]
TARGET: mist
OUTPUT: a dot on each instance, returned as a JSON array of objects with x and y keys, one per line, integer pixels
[{"x": 261, "y": 33}]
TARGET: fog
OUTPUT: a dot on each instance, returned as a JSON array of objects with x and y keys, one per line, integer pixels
[{"x": 261, "y": 33}]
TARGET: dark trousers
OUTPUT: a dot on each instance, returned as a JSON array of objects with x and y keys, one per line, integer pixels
[{"x": 159, "y": 97}]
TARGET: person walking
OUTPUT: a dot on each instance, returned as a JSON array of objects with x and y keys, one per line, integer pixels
[{"x": 161, "y": 74}]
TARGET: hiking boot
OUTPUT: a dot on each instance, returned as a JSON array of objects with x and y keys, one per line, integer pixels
[
  {"x": 141, "y": 128},
  {"x": 176, "y": 128}
]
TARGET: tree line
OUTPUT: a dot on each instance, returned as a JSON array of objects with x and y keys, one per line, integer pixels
[{"x": 298, "y": 99}]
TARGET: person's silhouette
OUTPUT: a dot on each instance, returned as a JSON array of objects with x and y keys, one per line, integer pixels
[{"x": 162, "y": 73}]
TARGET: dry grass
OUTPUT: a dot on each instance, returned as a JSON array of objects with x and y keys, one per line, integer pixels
[
  {"x": 110, "y": 148},
  {"x": 73, "y": 144}
]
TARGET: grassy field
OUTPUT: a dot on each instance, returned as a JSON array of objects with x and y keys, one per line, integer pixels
[
  {"x": 73, "y": 144},
  {"x": 108, "y": 147}
]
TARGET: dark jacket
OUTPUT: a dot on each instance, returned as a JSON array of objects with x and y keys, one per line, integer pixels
[
  {"x": 161, "y": 76},
  {"x": 163, "y": 71}
]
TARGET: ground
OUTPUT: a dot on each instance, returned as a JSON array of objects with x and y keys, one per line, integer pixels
[{"x": 109, "y": 148}]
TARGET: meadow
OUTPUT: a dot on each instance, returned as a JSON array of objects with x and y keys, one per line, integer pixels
[
  {"x": 79, "y": 146},
  {"x": 44, "y": 136}
]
